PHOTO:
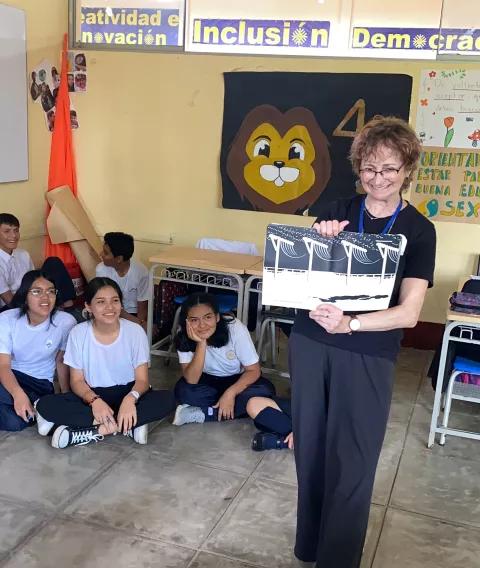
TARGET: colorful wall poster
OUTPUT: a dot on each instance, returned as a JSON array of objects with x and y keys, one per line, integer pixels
[
  {"x": 286, "y": 136},
  {"x": 355, "y": 272},
  {"x": 446, "y": 186},
  {"x": 448, "y": 108}
]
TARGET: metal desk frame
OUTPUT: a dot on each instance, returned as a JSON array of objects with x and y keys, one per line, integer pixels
[{"x": 467, "y": 327}]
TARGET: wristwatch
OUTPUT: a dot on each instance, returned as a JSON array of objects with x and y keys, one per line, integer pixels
[
  {"x": 354, "y": 323},
  {"x": 135, "y": 394}
]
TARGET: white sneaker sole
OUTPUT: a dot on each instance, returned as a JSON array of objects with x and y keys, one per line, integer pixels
[{"x": 177, "y": 421}]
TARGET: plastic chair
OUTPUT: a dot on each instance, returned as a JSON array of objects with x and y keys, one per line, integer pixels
[
  {"x": 468, "y": 390},
  {"x": 270, "y": 319}
]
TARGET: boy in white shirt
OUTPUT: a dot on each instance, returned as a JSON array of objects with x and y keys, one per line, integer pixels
[
  {"x": 130, "y": 275},
  {"x": 14, "y": 262}
]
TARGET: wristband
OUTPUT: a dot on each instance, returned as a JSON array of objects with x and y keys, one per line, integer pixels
[
  {"x": 135, "y": 394},
  {"x": 93, "y": 400}
]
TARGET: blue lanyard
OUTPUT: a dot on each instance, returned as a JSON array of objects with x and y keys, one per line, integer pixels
[{"x": 387, "y": 227}]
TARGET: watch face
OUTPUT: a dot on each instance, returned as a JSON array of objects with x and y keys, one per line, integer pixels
[{"x": 354, "y": 324}]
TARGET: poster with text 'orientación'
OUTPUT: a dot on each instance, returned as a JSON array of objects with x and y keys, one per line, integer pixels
[{"x": 446, "y": 186}]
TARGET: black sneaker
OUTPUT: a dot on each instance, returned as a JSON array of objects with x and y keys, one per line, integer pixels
[
  {"x": 65, "y": 436},
  {"x": 268, "y": 441}
]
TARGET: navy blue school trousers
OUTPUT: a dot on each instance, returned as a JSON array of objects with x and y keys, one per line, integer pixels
[
  {"x": 33, "y": 388},
  {"x": 340, "y": 406},
  {"x": 210, "y": 388},
  {"x": 69, "y": 409}
]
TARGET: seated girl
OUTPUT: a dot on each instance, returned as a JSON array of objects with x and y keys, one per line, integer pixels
[
  {"x": 108, "y": 359},
  {"x": 221, "y": 372},
  {"x": 33, "y": 337},
  {"x": 273, "y": 417}
]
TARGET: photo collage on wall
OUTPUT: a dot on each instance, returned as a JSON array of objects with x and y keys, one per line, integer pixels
[{"x": 44, "y": 83}]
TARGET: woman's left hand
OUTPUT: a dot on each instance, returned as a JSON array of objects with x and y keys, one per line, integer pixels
[
  {"x": 226, "y": 405},
  {"x": 127, "y": 414},
  {"x": 330, "y": 318}
]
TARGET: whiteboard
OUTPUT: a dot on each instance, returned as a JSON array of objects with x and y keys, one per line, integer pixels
[{"x": 13, "y": 96}]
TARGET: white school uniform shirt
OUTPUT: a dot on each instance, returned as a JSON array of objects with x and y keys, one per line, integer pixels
[
  {"x": 232, "y": 358},
  {"x": 134, "y": 285},
  {"x": 107, "y": 365},
  {"x": 12, "y": 269},
  {"x": 33, "y": 348}
]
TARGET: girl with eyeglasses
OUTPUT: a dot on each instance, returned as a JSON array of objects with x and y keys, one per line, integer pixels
[
  {"x": 108, "y": 359},
  {"x": 33, "y": 338},
  {"x": 342, "y": 364},
  {"x": 221, "y": 370}
]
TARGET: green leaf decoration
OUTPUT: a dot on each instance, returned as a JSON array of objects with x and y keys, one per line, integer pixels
[{"x": 448, "y": 137}]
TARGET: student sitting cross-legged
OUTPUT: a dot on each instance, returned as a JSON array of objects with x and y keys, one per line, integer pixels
[
  {"x": 129, "y": 274},
  {"x": 33, "y": 337},
  {"x": 220, "y": 365},
  {"x": 108, "y": 360}
]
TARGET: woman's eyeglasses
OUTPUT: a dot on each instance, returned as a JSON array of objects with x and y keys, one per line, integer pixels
[
  {"x": 50, "y": 292},
  {"x": 387, "y": 173}
]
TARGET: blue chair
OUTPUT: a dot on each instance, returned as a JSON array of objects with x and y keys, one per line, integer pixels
[{"x": 457, "y": 390}]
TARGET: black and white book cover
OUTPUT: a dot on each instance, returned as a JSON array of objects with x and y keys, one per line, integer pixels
[{"x": 353, "y": 271}]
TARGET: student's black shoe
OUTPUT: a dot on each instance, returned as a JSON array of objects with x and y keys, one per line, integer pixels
[
  {"x": 268, "y": 441},
  {"x": 65, "y": 436}
]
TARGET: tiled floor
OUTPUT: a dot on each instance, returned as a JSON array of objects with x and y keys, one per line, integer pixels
[{"x": 198, "y": 497}]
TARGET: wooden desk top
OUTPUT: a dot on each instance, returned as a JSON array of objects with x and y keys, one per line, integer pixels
[
  {"x": 256, "y": 269},
  {"x": 463, "y": 318},
  {"x": 204, "y": 259}
]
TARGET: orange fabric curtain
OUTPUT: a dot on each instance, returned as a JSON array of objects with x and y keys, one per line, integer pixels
[{"x": 62, "y": 169}]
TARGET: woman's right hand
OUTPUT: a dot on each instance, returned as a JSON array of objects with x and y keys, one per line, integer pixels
[
  {"x": 330, "y": 228},
  {"x": 192, "y": 335},
  {"x": 103, "y": 414}
]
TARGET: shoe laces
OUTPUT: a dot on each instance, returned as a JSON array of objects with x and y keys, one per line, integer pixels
[{"x": 82, "y": 437}]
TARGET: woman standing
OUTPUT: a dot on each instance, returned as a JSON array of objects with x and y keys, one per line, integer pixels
[
  {"x": 108, "y": 358},
  {"x": 342, "y": 365},
  {"x": 33, "y": 337}
]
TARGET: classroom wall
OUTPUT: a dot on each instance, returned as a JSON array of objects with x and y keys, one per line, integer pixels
[{"x": 149, "y": 141}]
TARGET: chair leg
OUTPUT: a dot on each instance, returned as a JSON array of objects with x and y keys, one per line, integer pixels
[
  {"x": 448, "y": 404},
  {"x": 260, "y": 345},
  {"x": 173, "y": 333},
  {"x": 273, "y": 344}
]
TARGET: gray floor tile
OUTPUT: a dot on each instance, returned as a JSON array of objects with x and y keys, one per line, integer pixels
[
  {"x": 454, "y": 447},
  {"x": 205, "y": 560},
  {"x": 34, "y": 472},
  {"x": 401, "y": 411},
  {"x": 16, "y": 521},
  {"x": 259, "y": 528},
  {"x": 278, "y": 465},
  {"x": 225, "y": 445},
  {"x": 411, "y": 541},
  {"x": 438, "y": 486},
  {"x": 159, "y": 497},
  {"x": 69, "y": 544},
  {"x": 373, "y": 533},
  {"x": 388, "y": 462},
  {"x": 406, "y": 385},
  {"x": 415, "y": 360}
]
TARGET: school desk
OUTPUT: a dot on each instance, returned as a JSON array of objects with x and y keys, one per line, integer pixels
[{"x": 202, "y": 267}]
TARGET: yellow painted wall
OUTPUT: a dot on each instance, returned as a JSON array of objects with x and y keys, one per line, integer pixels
[{"x": 149, "y": 141}]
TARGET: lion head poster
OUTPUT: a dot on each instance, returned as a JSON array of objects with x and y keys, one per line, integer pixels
[{"x": 286, "y": 136}]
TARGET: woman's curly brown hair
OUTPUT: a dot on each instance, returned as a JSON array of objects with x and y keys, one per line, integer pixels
[{"x": 392, "y": 132}]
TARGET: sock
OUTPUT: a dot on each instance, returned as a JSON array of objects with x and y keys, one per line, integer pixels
[
  {"x": 273, "y": 420},
  {"x": 211, "y": 414}
]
